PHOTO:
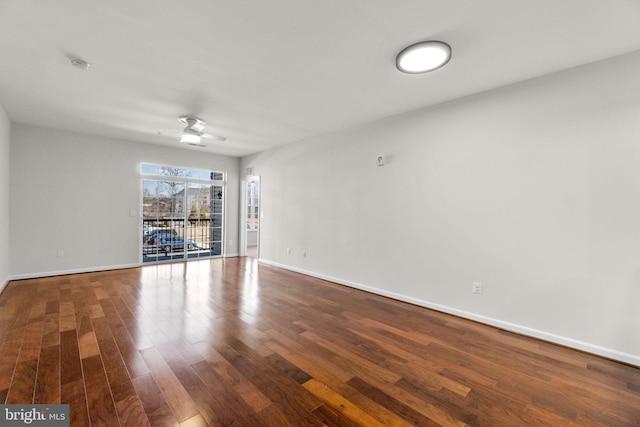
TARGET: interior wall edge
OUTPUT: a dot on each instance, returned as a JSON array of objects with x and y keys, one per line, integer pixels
[
  {"x": 586, "y": 347},
  {"x": 5, "y": 191}
]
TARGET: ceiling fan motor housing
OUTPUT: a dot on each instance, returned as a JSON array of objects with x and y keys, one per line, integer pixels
[{"x": 192, "y": 122}]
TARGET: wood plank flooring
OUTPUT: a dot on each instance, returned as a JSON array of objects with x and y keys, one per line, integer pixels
[{"x": 229, "y": 342}]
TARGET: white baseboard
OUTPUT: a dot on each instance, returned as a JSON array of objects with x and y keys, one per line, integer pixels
[
  {"x": 73, "y": 271},
  {"x": 4, "y": 284},
  {"x": 519, "y": 329},
  {"x": 85, "y": 270}
]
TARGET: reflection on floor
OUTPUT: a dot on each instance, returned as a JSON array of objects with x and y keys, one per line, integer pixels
[{"x": 252, "y": 251}]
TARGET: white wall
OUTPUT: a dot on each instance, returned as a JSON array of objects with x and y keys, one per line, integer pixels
[
  {"x": 5, "y": 130},
  {"x": 74, "y": 192},
  {"x": 532, "y": 189}
]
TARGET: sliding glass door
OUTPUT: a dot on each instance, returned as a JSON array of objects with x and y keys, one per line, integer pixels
[{"x": 182, "y": 213}]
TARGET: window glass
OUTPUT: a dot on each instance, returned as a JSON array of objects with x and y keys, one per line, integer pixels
[{"x": 178, "y": 172}]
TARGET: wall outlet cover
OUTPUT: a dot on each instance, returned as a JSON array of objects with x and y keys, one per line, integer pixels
[{"x": 476, "y": 287}]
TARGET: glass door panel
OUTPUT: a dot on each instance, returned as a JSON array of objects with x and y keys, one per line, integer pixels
[
  {"x": 199, "y": 202},
  {"x": 163, "y": 220},
  {"x": 216, "y": 232}
]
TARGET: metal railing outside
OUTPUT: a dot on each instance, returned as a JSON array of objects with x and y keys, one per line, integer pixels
[{"x": 164, "y": 239}]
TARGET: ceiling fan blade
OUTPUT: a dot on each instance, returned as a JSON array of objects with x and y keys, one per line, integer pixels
[
  {"x": 196, "y": 144},
  {"x": 169, "y": 132},
  {"x": 212, "y": 136}
]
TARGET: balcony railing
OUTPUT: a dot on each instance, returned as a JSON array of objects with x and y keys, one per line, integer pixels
[{"x": 165, "y": 239}]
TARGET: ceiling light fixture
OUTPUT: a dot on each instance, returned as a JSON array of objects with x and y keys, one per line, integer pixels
[
  {"x": 423, "y": 57},
  {"x": 190, "y": 136}
]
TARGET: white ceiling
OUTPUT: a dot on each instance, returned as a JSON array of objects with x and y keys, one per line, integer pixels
[{"x": 267, "y": 73}]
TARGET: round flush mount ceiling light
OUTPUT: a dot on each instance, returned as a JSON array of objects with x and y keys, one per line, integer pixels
[{"x": 423, "y": 57}]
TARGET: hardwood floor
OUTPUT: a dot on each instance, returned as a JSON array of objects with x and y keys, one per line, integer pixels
[{"x": 231, "y": 342}]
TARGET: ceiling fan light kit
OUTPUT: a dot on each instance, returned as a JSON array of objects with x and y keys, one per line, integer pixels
[{"x": 190, "y": 136}]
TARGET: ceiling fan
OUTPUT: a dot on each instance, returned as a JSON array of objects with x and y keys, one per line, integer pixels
[{"x": 193, "y": 133}]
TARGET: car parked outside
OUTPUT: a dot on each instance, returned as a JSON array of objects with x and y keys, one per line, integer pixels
[
  {"x": 167, "y": 240},
  {"x": 160, "y": 232}
]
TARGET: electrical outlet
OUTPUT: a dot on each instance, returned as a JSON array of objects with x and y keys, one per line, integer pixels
[
  {"x": 288, "y": 251},
  {"x": 60, "y": 253},
  {"x": 476, "y": 287}
]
